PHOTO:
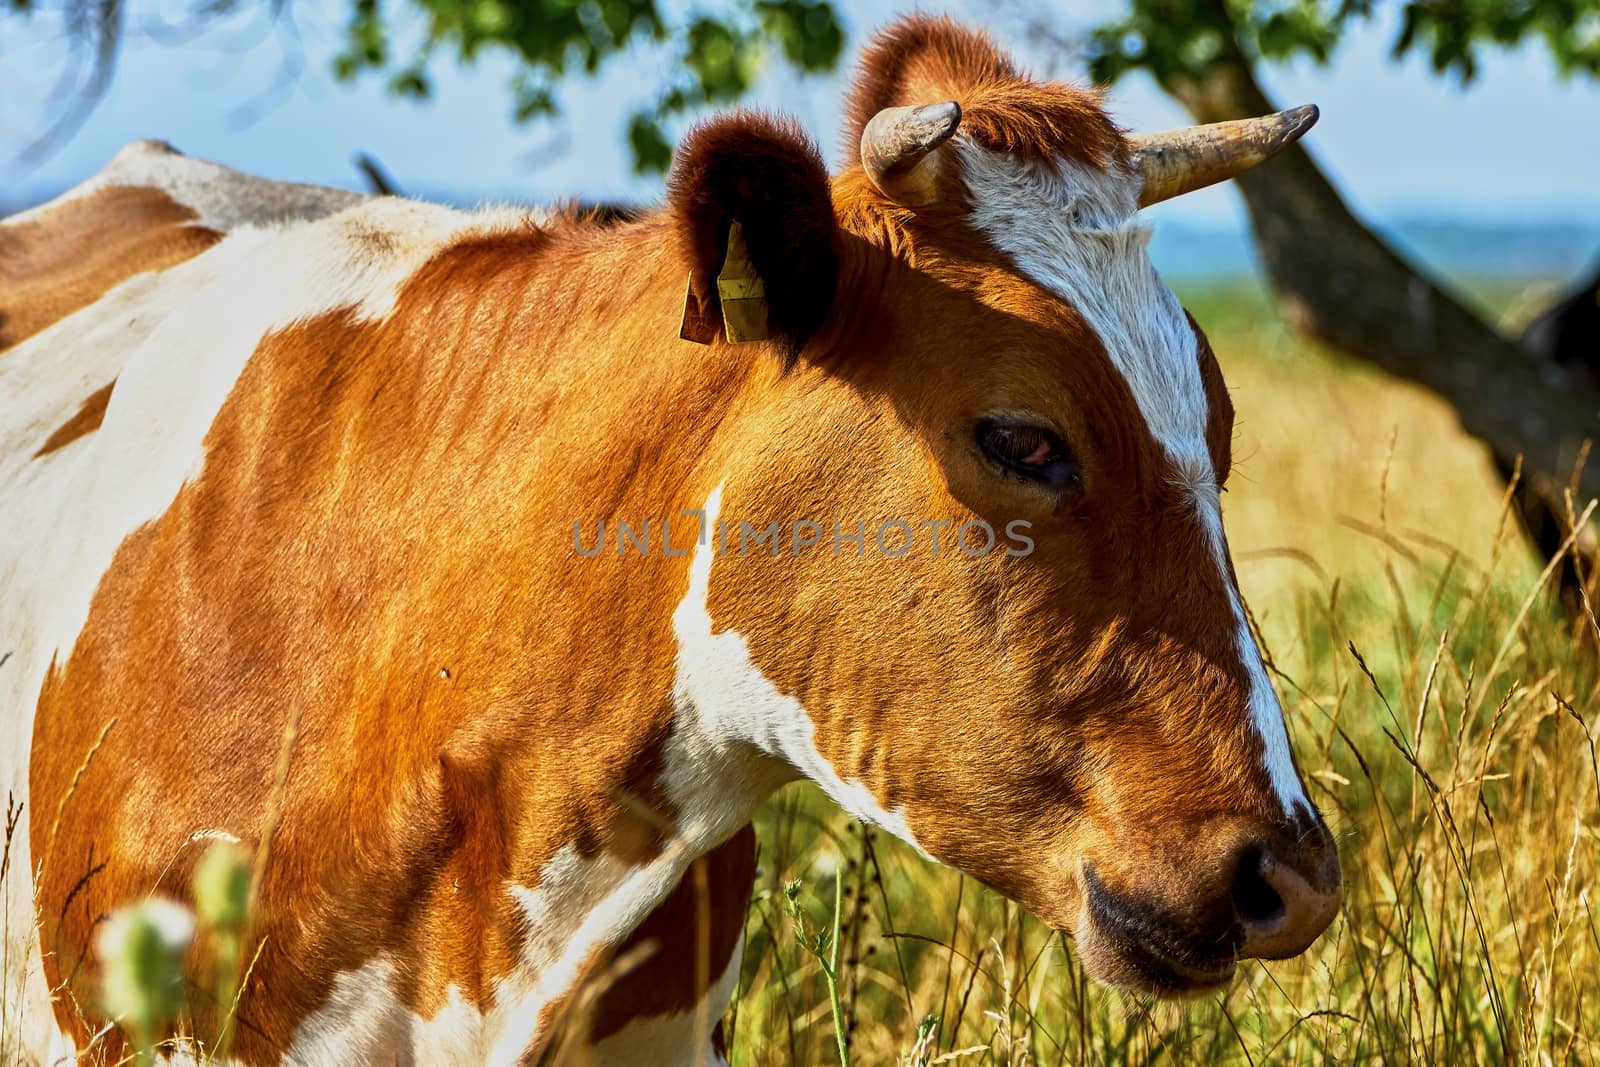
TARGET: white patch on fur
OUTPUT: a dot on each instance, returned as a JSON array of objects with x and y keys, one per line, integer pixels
[
  {"x": 364, "y": 1021},
  {"x": 62, "y": 1051},
  {"x": 682, "y": 1038},
  {"x": 1072, "y": 231},
  {"x": 453, "y": 1037},
  {"x": 581, "y": 905},
  {"x": 734, "y": 739},
  {"x": 176, "y": 342},
  {"x": 720, "y": 685},
  {"x": 1265, "y": 710}
]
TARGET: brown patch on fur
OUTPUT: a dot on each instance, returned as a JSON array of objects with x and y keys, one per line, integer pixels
[
  {"x": 85, "y": 421},
  {"x": 694, "y": 933},
  {"x": 69, "y": 257},
  {"x": 922, "y": 59}
]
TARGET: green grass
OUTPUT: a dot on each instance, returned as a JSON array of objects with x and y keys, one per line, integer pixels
[{"x": 1445, "y": 715}]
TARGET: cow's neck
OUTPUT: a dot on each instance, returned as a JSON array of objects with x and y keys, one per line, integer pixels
[
  {"x": 687, "y": 737},
  {"x": 714, "y": 768}
]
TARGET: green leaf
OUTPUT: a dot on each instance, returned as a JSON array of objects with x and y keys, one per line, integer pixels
[
  {"x": 531, "y": 100},
  {"x": 412, "y": 83},
  {"x": 652, "y": 153},
  {"x": 1184, "y": 39},
  {"x": 808, "y": 31}
]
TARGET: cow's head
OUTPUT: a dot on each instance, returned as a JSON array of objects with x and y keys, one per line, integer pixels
[{"x": 969, "y": 330}]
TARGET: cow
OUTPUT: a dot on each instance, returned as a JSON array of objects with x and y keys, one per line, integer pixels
[
  {"x": 307, "y": 546},
  {"x": 1562, "y": 342},
  {"x": 1568, "y": 334}
]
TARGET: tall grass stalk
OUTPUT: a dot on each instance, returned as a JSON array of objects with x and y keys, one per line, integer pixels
[{"x": 824, "y": 947}]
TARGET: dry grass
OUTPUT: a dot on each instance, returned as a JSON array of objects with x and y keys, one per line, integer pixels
[{"x": 1447, "y": 723}]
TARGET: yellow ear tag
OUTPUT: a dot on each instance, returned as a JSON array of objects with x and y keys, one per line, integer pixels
[{"x": 742, "y": 293}]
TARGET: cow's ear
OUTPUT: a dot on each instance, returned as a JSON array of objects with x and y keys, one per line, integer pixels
[{"x": 750, "y": 202}]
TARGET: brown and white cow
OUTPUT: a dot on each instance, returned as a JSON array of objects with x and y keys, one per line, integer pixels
[{"x": 332, "y": 471}]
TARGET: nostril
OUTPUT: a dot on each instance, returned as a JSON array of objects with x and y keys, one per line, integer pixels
[{"x": 1255, "y": 901}]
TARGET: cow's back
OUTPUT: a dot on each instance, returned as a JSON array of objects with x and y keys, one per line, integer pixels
[
  {"x": 108, "y": 241},
  {"x": 149, "y": 208}
]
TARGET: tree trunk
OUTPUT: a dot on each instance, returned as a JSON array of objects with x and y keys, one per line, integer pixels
[{"x": 1338, "y": 282}]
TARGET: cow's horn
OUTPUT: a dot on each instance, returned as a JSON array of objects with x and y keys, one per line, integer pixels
[
  {"x": 897, "y": 150},
  {"x": 1181, "y": 161}
]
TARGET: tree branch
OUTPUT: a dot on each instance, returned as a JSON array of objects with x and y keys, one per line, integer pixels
[{"x": 1341, "y": 284}]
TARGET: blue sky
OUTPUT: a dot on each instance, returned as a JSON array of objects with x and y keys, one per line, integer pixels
[{"x": 1518, "y": 145}]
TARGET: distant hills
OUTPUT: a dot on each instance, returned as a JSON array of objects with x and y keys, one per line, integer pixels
[{"x": 1540, "y": 250}]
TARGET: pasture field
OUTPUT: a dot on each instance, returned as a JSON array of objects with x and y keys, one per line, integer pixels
[{"x": 1445, "y": 715}]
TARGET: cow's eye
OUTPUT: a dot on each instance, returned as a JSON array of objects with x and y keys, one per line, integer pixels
[{"x": 1029, "y": 451}]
